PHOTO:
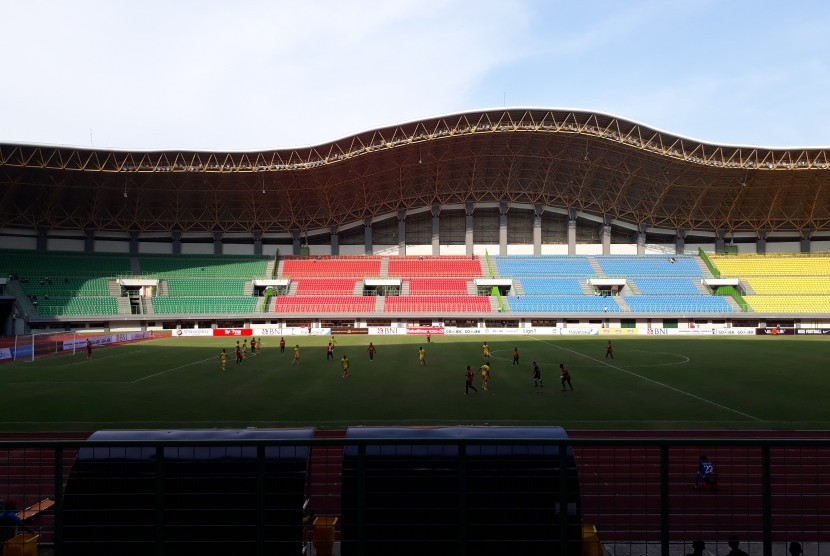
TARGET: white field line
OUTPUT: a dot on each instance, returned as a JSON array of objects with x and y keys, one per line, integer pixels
[{"x": 657, "y": 382}]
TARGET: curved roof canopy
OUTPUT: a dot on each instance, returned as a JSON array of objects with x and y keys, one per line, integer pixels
[{"x": 580, "y": 161}]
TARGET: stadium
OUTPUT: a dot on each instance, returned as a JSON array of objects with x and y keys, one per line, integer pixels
[{"x": 543, "y": 231}]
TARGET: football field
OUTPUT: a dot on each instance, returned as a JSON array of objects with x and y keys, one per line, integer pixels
[{"x": 764, "y": 383}]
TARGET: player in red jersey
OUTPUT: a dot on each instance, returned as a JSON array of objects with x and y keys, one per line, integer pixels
[
  {"x": 468, "y": 384},
  {"x": 565, "y": 377}
]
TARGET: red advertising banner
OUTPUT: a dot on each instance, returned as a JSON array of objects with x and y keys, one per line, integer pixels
[{"x": 233, "y": 332}]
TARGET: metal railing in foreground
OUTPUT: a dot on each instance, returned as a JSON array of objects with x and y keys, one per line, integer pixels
[{"x": 410, "y": 495}]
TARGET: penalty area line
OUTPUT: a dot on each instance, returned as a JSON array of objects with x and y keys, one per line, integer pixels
[
  {"x": 657, "y": 382},
  {"x": 172, "y": 369}
]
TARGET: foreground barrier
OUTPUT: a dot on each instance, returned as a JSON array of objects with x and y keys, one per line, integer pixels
[
  {"x": 637, "y": 489},
  {"x": 192, "y": 498}
]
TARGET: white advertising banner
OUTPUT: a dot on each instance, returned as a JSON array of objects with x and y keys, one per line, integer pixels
[
  {"x": 191, "y": 332},
  {"x": 735, "y": 331},
  {"x": 387, "y": 331},
  {"x": 576, "y": 331}
]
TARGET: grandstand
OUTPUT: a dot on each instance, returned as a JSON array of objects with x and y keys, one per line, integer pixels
[
  {"x": 508, "y": 249},
  {"x": 606, "y": 287},
  {"x": 782, "y": 284}
]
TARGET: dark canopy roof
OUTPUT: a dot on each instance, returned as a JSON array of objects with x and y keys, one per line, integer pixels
[{"x": 578, "y": 161}]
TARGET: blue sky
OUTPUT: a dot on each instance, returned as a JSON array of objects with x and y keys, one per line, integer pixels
[{"x": 258, "y": 74}]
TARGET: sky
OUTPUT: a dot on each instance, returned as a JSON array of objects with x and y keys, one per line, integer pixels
[{"x": 251, "y": 75}]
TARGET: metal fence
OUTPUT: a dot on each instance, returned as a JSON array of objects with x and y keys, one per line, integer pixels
[{"x": 431, "y": 496}]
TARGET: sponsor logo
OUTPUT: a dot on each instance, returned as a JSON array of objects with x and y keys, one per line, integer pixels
[
  {"x": 813, "y": 331},
  {"x": 580, "y": 331},
  {"x": 733, "y": 331},
  {"x": 184, "y": 332},
  {"x": 657, "y": 331},
  {"x": 423, "y": 330},
  {"x": 267, "y": 331}
]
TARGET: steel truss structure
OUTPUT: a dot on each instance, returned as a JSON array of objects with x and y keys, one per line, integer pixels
[{"x": 582, "y": 162}]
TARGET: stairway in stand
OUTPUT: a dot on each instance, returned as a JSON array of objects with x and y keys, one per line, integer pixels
[{"x": 326, "y": 475}]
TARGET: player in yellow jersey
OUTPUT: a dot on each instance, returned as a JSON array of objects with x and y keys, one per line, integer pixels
[
  {"x": 258, "y": 345},
  {"x": 223, "y": 358},
  {"x": 485, "y": 349},
  {"x": 422, "y": 356},
  {"x": 485, "y": 375},
  {"x": 345, "y": 364},
  {"x": 296, "y": 354}
]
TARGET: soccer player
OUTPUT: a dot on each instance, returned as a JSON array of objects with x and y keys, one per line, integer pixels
[
  {"x": 468, "y": 384},
  {"x": 296, "y": 354},
  {"x": 223, "y": 358},
  {"x": 515, "y": 355},
  {"x": 253, "y": 346},
  {"x": 537, "y": 376},
  {"x": 485, "y": 375},
  {"x": 238, "y": 353},
  {"x": 485, "y": 349},
  {"x": 422, "y": 356},
  {"x": 88, "y": 349},
  {"x": 565, "y": 377},
  {"x": 244, "y": 347},
  {"x": 609, "y": 351},
  {"x": 429, "y": 337},
  {"x": 371, "y": 349},
  {"x": 282, "y": 345},
  {"x": 345, "y": 364},
  {"x": 330, "y": 351},
  {"x": 259, "y": 345}
]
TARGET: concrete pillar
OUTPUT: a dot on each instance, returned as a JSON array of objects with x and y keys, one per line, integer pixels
[
  {"x": 89, "y": 239},
  {"x": 335, "y": 240},
  {"x": 805, "y": 240},
  {"x": 42, "y": 238},
  {"x": 402, "y": 232},
  {"x": 469, "y": 207},
  {"x": 606, "y": 235},
  {"x": 641, "y": 239},
  {"x": 538, "y": 209},
  {"x": 720, "y": 241},
  {"x": 502, "y": 228},
  {"x": 176, "y": 234},
  {"x": 257, "y": 235},
  {"x": 134, "y": 235},
  {"x": 680, "y": 241},
  {"x": 217, "y": 242},
  {"x": 436, "y": 229},
  {"x": 295, "y": 236},
  {"x": 367, "y": 235},
  {"x": 571, "y": 231},
  {"x": 761, "y": 242}
]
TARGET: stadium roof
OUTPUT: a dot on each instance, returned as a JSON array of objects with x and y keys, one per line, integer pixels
[{"x": 579, "y": 161}]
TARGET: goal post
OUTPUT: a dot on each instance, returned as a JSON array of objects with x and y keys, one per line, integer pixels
[{"x": 43, "y": 344}]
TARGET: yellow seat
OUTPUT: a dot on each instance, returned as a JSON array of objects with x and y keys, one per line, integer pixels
[
  {"x": 24, "y": 544},
  {"x": 590, "y": 540}
]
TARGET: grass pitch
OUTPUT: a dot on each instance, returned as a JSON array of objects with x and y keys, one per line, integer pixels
[{"x": 651, "y": 384}]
